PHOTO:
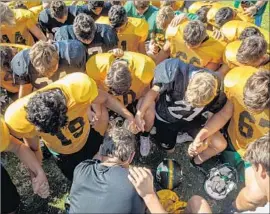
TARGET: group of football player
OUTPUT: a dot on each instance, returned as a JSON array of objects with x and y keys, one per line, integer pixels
[{"x": 180, "y": 69}]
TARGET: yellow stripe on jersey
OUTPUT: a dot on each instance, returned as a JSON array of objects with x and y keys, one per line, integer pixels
[
  {"x": 135, "y": 32},
  {"x": 6, "y": 79},
  {"x": 170, "y": 174},
  {"x": 80, "y": 91},
  {"x": 4, "y": 133},
  {"x": 141, "y": 68},
  {"x": 245, "y": 126},
  {"x": 19, "y": 33},
  {"x": 209, "y": 51},
  {"x": 230, "y": 53}
]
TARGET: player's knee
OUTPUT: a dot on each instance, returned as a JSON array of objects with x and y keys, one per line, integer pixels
[
  {"x": 219, "y": 142},
  {"x": 197, "y": 203}
]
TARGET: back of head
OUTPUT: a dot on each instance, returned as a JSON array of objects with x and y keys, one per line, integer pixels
[
  {"x": 257, "y": 91},
  {"x": 224, "y": 15},
  {"x": 58, "y": 9},
  {"x": 118, "y": 143},
  {"x": 194, "y": 33},
  {"x": 6, "y": 15},
  {"x": 44, "y": 57},
  {"x": 20, "y": 5},
  {"x": 164, "y": 17},
  {"x": 258, "y": 153},
  {"x": 47, "y": 111},
  {"x": 252, "y": 50},
  {"x": 141, "y": 5},
  {"x": 118, "y": 79},
  {"x": 84, "y": 27},
  {"x": 117, "y": 16},
  {"x": 250, "y": 31},
  {"x": 202, "y": 13},
  {"x": 166, "y": 3},
  {"x": 202, "y": 89},
  {"x": 6, "y": 56},
  {"x": 92, "y": 5}
]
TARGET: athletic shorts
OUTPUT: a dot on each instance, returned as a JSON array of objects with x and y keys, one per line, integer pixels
[
  {"x": 167, "y": 132},
  {"x": 67, "y": 163},
  {"x": 10, "y": 199}
]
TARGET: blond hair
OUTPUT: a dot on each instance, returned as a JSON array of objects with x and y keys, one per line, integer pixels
[
  {"x": 44, "y": 57},
  {"x": 164, "y": 17},
  {"x": 6, "y": 15},
  {"x": 202, "y": 89}
]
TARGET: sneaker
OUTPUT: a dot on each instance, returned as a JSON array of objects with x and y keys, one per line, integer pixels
[
  {"x": 183, "y": 137},
  {"x": 153, "y": 131},
  {"x": 145, "y": 146}
]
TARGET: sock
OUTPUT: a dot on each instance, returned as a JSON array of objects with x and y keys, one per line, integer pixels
[{"x": 145, "y": 134}]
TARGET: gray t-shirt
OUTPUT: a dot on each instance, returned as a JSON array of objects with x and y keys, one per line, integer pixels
[{"x": 100, "y": 189}]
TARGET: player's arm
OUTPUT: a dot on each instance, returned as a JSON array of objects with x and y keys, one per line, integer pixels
[
  {"x": 251, "y": 11},
  {"x": 25, "y": 90},
  {"x": 24, "y": 153},
  {"x": 37, "y": 33},
  {"x": 34, "y": 145},
  {"x": 163, "y": 54},
  {"x": 215, "y": 123},
  {"x": 112, "y": 103},
  {"x": 212, "y": 66},
  {"x": 223, "y": 70},
  {"x": 141, "y": 48}
]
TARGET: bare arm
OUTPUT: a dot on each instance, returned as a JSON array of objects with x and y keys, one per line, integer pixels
[
  {"x": 25, "y": 90},
  {"x": 223, "y": 70},
  {"x": 33, "y": 144},
  {"x": 37, "y": 33},
  {"x": 141, "y": 48},
  {"x": 216, "y": 122},
  {"x": 212, "y": 66}
]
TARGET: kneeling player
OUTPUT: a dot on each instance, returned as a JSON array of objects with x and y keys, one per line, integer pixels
[
  {"x": 128, "y": 78},
  {"x": 248, "y": 104},
  {"x": 58, "y": 114},
  {"x": 185, "y": 93}
]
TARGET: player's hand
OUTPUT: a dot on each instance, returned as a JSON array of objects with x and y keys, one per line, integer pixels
[
  {"x": 196, "y": 148},
  {"x": 40, "y": 184},
  {"x": 142, "y": 180},
  {"x": 153, "y": 47},
  {"x": 131, "y": 126},
  {"x": 117, "y": 52},
  {"x": 250, "y": 11},
  {"x": 178, "y": 19},
  {"x": 140, "y": 123}
]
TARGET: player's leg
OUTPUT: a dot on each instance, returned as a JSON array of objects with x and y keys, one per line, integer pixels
[
  {"x": 197, "y": 204},
  {"x": 251, "y": 195},
  {"x": 217, "y": 144}
]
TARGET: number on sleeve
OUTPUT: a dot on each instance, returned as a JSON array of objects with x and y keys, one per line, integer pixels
[
  {"x": 126, "y": 96},
  {"x": 19, "y": 38},
  {"x": 244, "y": 128}
]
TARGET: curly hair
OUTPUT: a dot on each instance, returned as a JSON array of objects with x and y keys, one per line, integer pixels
[
  {"x": 6, "y": 15},
  {"x": 92, "y": 5},
  {"x": 194, "y": 33},
  {"x": 47, "y": 111},
  {"x": 20, "y": 5},
  {"x": 202, "y": 13},
  {"x": 117, "y": 16},
  {"x": 164, "y": 17},
  {"x": 256, "y": 91},
  {"x": 6, "y": 56},
  {"x": 118, "y": 142},
  {"x": 84, "y": 27},
  {"x": 118, "y": 79},
  {"x": 250, "y": 31},
  {"x": 224, "y": 15},
  {"x": 251, "y": 50},
  {"x": 141, "y": 4},
  {"x": 58, "y": 9}
]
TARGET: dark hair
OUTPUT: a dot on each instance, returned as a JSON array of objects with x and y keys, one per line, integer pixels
[
  {"x": 141, "y": 4},
  {"x": 257, "y": 91},
  {"x": 202, "y": 13},
  {"x": 115, "y": 2},
  {"x": 92, "y": 5},
  {"x": 20, "y": 5},
  {"x": 84, "y": 27},
  {"x": 251, "y": 50},
  {"x": 6, "y": 56},
  {"x": 58, "y": 9},
  {"x": 194, "y": 33},
  {"x": 117, "y": 16},
  {"x": 250, "y": 31},
  {"x": 47, "y": 110},
  {"x": 258, "y": 152},
  {"x": 224, "y": 15}
]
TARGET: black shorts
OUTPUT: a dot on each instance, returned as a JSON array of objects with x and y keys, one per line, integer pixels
[
  {"x": 67, "y": 163},
  {"x": 167, "y": 132},
  {"x": 10, "y": 199}
]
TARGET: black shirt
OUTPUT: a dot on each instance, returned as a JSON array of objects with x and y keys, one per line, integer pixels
[{"x": 100, "y": 189}]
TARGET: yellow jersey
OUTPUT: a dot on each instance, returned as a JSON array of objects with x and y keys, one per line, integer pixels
[
  {"x": 209, "y": 51},
  {"x": 178, "y": 4},
  {"x": 135, "y": 32},
  {"x": 245, "y": 127},
  {"x": 36, "y": 11},
  {"x": 4, "y": 135},
  {"x": 239, "y": 15},
  {"x": 28, "y": 3},
  {"x": 6, "y": 79},
  {"x": 79, "y": 91},
  {"x": 233, "y": 29},
  {"x": 140, "y": 66},
  {"x": 19, "y": 33},
  {"x": 230, "y": 53}
]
